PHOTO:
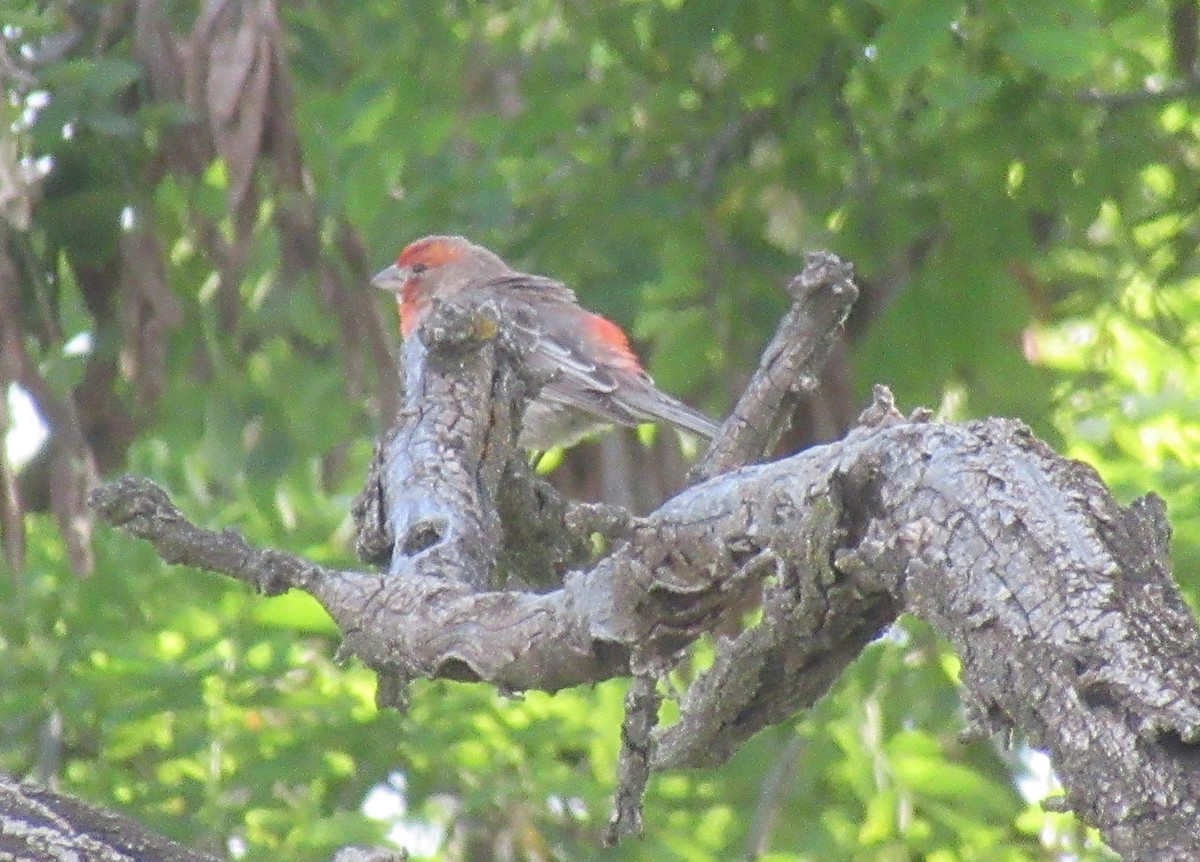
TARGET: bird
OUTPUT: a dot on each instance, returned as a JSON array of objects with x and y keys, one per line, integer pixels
[{"x": 594, "y": 379}]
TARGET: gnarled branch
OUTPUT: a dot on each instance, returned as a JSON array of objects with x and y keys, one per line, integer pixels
[{"x": 1058, "y": 600}]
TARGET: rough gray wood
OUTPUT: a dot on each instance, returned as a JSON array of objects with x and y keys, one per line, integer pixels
[
  {"x": 449, "y": 494},
  {"x": 39, "y": 825},
  {"x": 1058, "y": 600},
  {"x": 790, "y": 365},
  {"x": 42, "y": 825}
]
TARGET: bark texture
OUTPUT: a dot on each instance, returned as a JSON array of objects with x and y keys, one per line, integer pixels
[
  {"x": 39, "y": 825},
  {"x": 1058, "y": 599}
]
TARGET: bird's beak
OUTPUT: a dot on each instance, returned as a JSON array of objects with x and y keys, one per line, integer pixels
[{"x": 391, "y": 278}]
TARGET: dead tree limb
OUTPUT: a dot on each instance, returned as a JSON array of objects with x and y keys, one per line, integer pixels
[
  {"x": 1058, "y": 600},
  {"x": 40, "y": 825},
  {"x": 823, "y": 294}
]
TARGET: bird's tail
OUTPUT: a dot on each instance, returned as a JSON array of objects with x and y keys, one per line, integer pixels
[{"x": 655, "y": 404}]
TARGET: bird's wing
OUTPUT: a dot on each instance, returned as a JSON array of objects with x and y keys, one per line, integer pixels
[
  {"x": 581, "y": 372},
  {"x": 520, "y": 285},
  {"x": 586, "y": 358},
  {"x": 615, "y": 387},
  {"x": 583, "y": 356}
]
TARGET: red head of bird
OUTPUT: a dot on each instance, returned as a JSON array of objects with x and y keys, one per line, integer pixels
[{"x": 435, "y": 266}]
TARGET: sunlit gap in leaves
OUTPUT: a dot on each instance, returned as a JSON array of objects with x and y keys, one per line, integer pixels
[
  {"x": 1039, "y": 781},
  {"x": 80, "y": 344},
  {"x": 34, "y": 103},
  {"x": 564, "y": 805},
  {"x": 237, "y": 847},
  {"x": 1058, "y": 832},
  {"x": 387, "y": 802},
  {"x": 27, "y": 432}
]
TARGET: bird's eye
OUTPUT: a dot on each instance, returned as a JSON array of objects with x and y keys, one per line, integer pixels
[{"x": 418, "y": 268}]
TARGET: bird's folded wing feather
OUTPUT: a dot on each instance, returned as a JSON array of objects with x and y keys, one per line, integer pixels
[
  {"x": 586, "y": 358},
  {"x": 544, "y": 316}
]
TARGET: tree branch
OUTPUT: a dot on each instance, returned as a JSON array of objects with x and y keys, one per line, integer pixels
[
  {"x": 39, "y": 825},
  {"x": 637, "y": 749},
  {"x": 448, "y": 494},
  {"x": 1058, "y": 600},
  {"x": 790, "y": 365},
  {"x": 961, "y": 525},
  {"x": 1187, "y": 87}
]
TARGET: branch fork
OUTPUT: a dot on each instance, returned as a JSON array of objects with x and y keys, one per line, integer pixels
[{"x": 1058, "y": 599}]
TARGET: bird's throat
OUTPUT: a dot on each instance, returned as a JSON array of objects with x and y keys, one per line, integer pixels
[{"x": 410, "y": 308}]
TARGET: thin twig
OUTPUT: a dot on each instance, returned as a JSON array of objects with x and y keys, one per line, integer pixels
[
  {"x": 637, "y": 749},
  {"x": 143, "y": 509},
  {"x": 770, "y": 801},
  {"x": 1184, "y": 88}
]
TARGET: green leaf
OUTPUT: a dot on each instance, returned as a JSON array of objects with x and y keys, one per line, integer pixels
[{"x": 913, "y": 34}]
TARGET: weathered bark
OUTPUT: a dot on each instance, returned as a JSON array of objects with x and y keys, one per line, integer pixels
[
  {"x": 1058, "y": 600},
  {"x": 39, "y": 825}
]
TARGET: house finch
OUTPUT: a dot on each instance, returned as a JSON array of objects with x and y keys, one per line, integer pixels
[{"x": 594, "y": 378}]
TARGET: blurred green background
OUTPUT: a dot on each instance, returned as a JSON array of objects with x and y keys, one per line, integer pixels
[{"x": 192, "y": 196}]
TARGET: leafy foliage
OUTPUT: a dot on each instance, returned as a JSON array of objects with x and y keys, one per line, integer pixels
[{"x": 1012, "y": 182}]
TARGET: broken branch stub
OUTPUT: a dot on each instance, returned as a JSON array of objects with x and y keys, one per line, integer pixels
[
  {"x": 822, "y": 294},
  {"x": 448, "y": 493},
  {"x": 443, "y": 464}
]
